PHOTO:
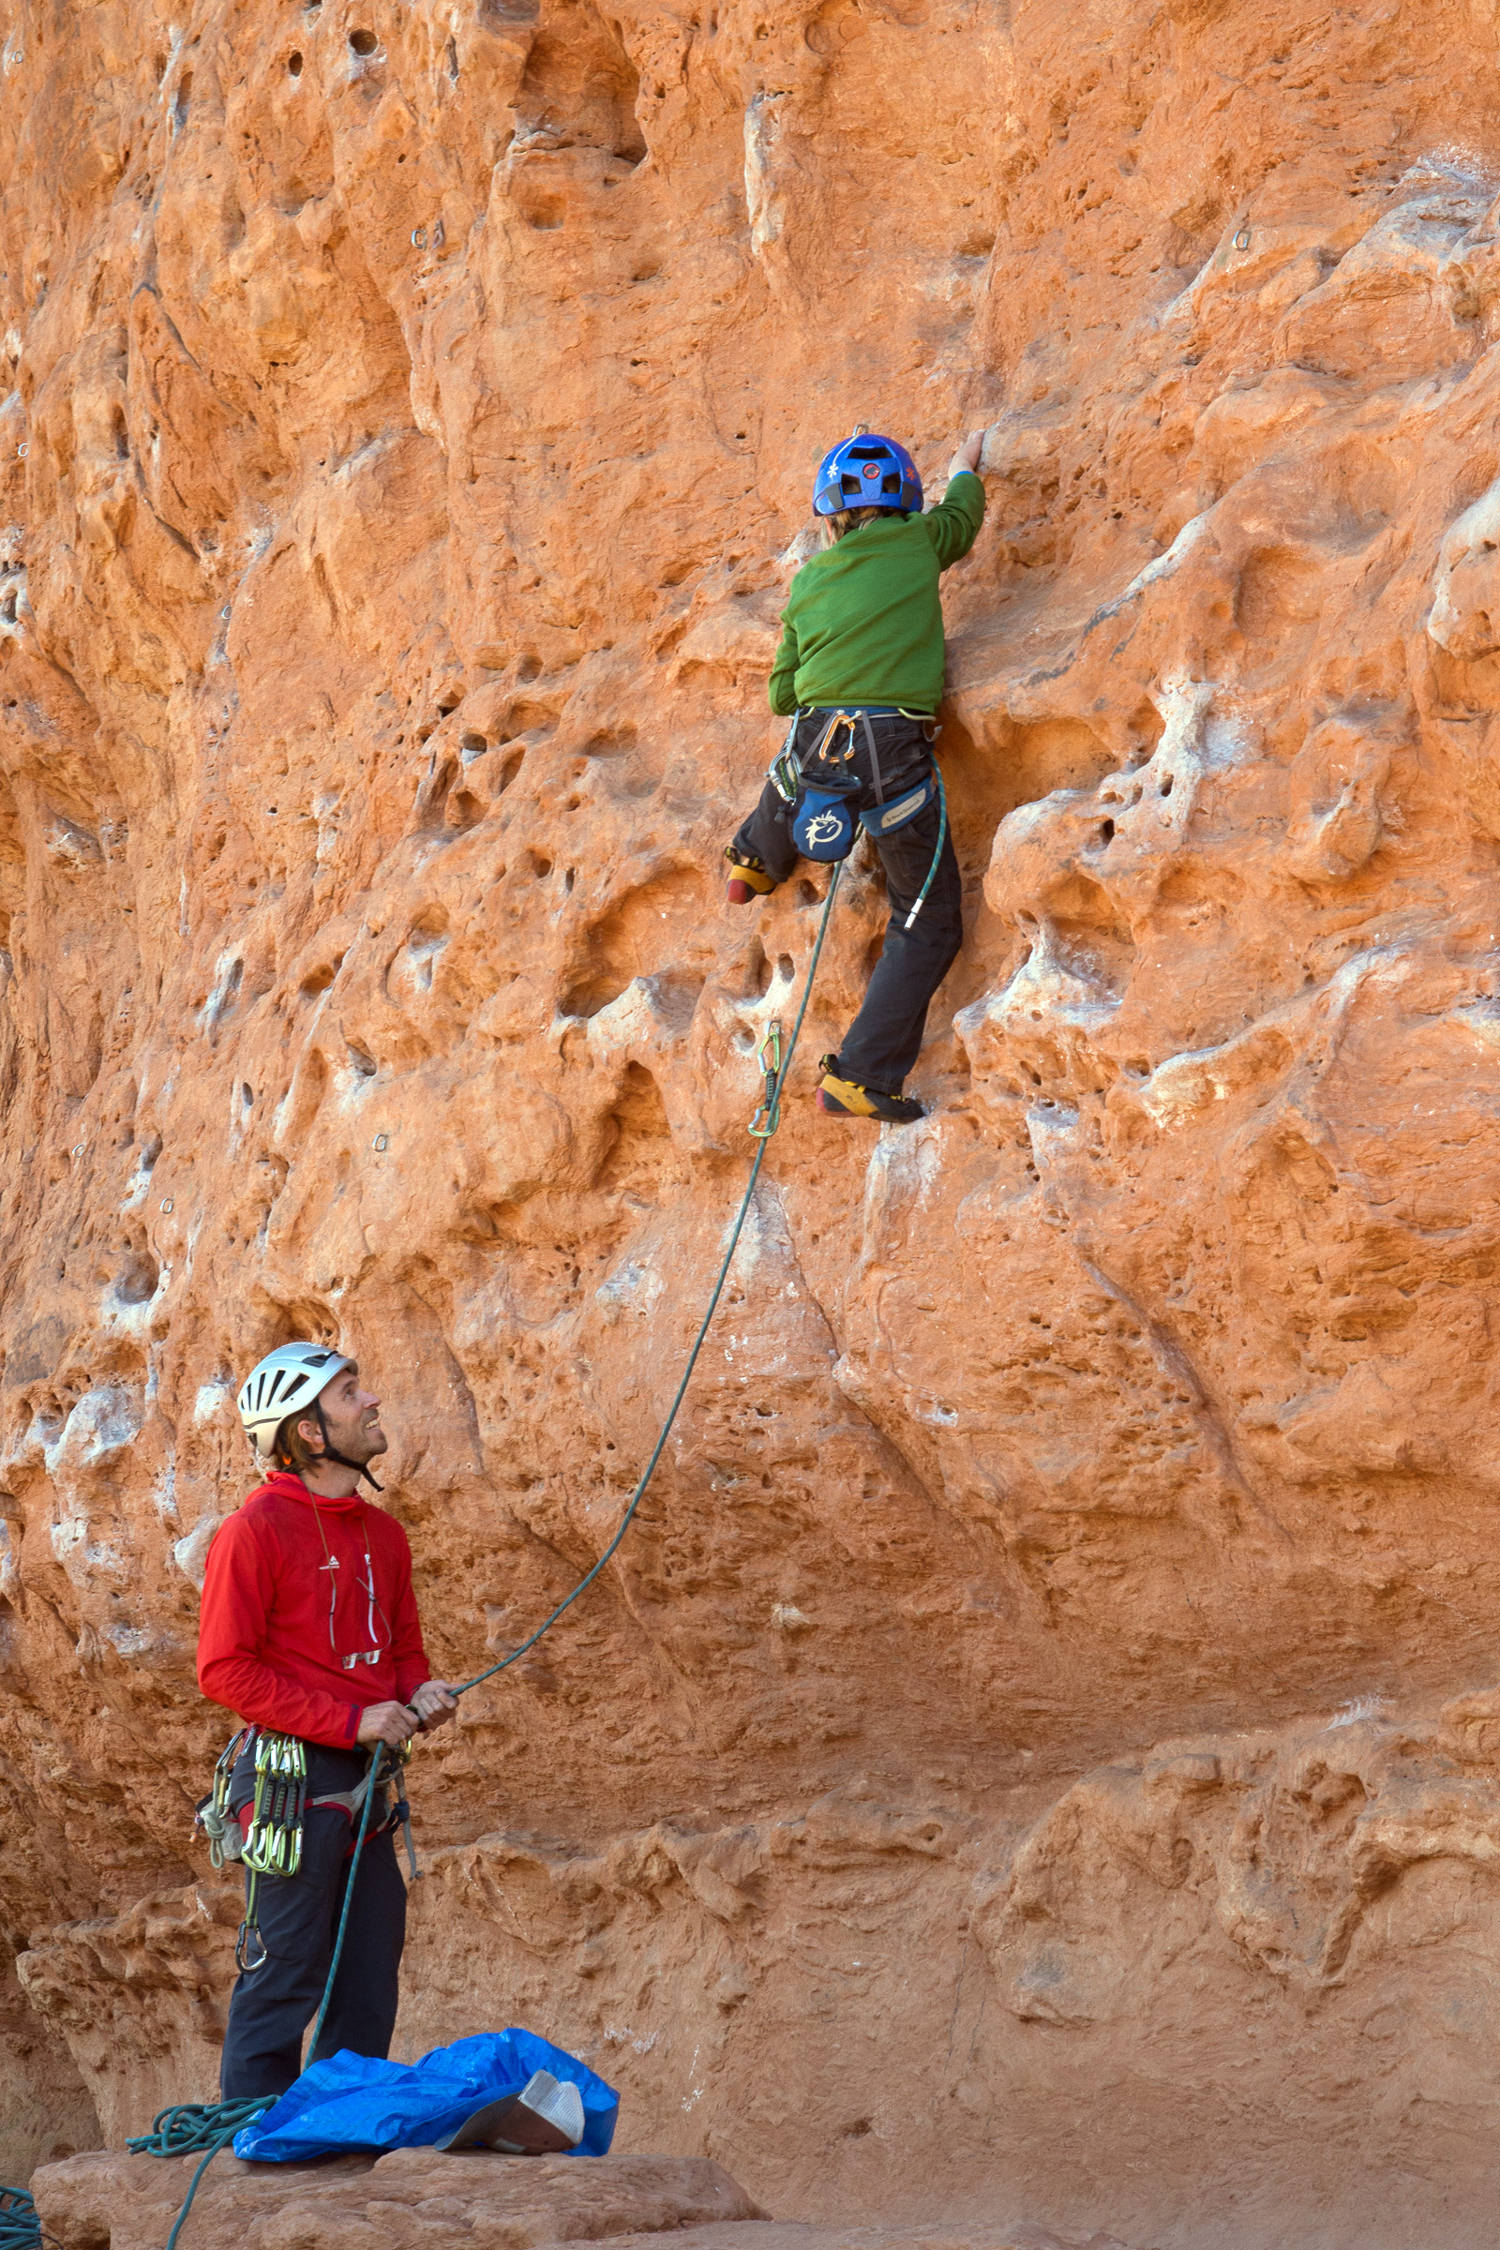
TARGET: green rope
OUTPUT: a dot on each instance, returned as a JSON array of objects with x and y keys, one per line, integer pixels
[
  {"x": 212, "y": 2125},
  {"x": 338, "y": 1943},
  {"x": 771, "y": 1110},
  {"x": 20, "y": 2227},
  {"x": 942, "y": 796},
  {"x": 186, "y": 2128},
  {"x": 190, "y": 2126}
]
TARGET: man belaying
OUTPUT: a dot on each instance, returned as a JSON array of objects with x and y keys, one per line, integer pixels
[
  {"x": 861, "y": 667},
  {"x": 309, "y": 1633}
]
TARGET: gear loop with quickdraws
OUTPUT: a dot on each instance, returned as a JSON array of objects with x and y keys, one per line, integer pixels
[
  {"x": 270, "y": 1843},
  {"x": 273, "y": 1840}
]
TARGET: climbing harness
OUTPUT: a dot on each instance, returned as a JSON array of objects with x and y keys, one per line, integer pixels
[
  {"x": 210, "y": 2126},
  {"x": 821, "y": 815},
  {"x": 398, "y": 1814},
  {"x": 270, "y": 1843}
]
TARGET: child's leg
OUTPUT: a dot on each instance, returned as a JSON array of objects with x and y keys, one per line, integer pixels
[
  {"x": 765, "y": 839},
  {"x": 884, "y": 1039}
]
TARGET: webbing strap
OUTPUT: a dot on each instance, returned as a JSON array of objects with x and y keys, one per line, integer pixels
[{"x": 874, "y": 757}]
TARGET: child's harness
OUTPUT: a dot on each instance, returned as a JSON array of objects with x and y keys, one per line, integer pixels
[{"x": 823, "y": 821}]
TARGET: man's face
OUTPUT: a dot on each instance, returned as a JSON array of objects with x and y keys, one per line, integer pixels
[{"x": 353, "y": 1419}]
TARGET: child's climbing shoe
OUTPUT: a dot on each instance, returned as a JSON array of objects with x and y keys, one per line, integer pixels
[
  {"x": 844, "y": 1097},
  {"x": 749, "y": 877}
]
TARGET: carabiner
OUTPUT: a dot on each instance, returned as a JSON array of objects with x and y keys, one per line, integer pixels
[{"x": 242, "y": 1960}]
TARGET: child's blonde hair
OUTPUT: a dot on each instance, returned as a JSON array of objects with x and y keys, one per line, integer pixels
[{"x": 850, "y": 519}]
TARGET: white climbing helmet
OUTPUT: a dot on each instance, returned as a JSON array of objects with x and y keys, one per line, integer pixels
[{"x": 282, "y": 1383}]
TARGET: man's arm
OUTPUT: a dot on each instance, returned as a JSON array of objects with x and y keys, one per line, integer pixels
[
  {"x": 953, "y": 525},
  {"x": 238, "y": 1588}
]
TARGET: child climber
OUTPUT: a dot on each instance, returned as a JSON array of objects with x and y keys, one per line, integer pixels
[{"x": 861, "y": 666}]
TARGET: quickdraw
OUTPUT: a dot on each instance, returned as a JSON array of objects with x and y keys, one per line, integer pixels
[
  {"x": 768, "y": 1116},
  {"x": 273, "y": 1841}
]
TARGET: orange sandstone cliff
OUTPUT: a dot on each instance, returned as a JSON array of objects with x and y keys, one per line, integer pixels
[{"x": 1037, "y": 1750}]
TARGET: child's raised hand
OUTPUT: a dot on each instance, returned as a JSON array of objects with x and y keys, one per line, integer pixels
[{"x": 967, "y": 456}]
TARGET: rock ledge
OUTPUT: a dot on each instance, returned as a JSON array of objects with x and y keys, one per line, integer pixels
[{"x": 413, "y": 2199}]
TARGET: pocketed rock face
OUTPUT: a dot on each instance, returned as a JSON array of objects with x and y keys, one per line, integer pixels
[{"x": 407, "y": 439}]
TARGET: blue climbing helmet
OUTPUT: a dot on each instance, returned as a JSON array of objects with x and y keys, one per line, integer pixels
[{"x": 867, "y": 471}]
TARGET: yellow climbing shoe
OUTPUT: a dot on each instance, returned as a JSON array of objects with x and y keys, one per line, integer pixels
[
  {"x": 749, "y": 877},
  {"x": 844, "y": 1097}
]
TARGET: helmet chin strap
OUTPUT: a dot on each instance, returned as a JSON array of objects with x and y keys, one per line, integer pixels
[{"x": 360, "y": 1468}]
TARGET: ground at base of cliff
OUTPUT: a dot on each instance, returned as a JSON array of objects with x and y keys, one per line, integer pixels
[{"x": 419, "y": 2199}]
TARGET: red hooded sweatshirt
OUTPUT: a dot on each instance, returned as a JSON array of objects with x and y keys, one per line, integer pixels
[{"x": 297, "y": 1587}]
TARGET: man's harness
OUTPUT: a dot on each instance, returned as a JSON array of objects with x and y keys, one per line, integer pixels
[{"x": 270, "y": 1843}]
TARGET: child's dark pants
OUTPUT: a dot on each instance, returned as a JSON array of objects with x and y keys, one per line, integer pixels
[
  {"x": 273, "y": 2005},
  {"x": 883, "y": 1041}
]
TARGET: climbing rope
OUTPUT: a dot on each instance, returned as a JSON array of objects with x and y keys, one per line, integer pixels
[
  {"x": 764, "y": 1123},
  {"x": 20, "y": 2227},
  {"x": 210, "y": 2126},
  {"x": 188, "y": 2127}
]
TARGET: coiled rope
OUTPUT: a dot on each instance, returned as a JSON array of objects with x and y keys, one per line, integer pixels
[
  {"x": 210, "y": 2126},
  {"x": 20, "y": 2228},
  {"x": 190, "y": 2126}
]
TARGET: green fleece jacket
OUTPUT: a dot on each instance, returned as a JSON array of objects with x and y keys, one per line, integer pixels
[{"x": 863, "y": 622}]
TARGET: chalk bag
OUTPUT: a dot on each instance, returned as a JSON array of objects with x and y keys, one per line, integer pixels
[{"x": 823, "y": 824}]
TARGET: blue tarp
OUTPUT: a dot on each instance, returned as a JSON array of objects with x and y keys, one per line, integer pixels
[{"x": 355, "y": 2102}]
